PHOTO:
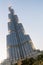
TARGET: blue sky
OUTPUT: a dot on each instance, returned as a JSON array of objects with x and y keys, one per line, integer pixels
[{"x": 30, "y": 14}]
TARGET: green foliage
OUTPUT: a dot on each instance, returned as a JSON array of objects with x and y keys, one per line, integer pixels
[
  {"x": 40, "y": 57},
  {"x": 39, "y": 60},
  {"x": 28, "y": 61},
  {"x": 31, "y": 61},
  {"x": 38, "y": 63}
]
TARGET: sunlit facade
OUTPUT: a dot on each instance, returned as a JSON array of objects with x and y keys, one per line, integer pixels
[{"x": 19, "y": 44}]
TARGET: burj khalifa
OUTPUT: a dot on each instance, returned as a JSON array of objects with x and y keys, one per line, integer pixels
[{"x": 19, "y": 44}]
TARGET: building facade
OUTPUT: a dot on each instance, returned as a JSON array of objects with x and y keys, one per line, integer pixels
[{"x": 19, "y": 44}]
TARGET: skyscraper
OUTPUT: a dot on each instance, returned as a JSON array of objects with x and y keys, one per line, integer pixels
[{"x": 19, "y": 44}]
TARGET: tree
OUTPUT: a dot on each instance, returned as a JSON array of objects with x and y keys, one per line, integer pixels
[
  {"x": 29, "y": 61},
  {"x": 40, "y": 57}
]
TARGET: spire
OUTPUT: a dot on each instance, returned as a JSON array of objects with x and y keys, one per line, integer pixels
[
  {"x": 11, "y": 10},
  {"x": 12, "y": 15}
]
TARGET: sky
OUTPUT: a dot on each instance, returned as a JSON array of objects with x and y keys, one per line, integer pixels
[{"x": 30, "y": 14}]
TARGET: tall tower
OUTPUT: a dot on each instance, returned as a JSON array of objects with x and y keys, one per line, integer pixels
[{"x": 19, "y": 44}]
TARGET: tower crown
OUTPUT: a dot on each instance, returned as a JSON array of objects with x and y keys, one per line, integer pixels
[
  {"x": 12, "y": 16},
  {"x": 11, "y": 10}
]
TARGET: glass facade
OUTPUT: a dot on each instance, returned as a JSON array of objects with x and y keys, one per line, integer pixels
[{"x": 18, "y": 44}]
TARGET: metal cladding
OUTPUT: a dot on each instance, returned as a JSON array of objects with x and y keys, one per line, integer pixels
[{"x": 19, "y": 45}]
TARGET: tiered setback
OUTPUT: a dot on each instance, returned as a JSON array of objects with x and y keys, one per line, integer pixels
[{"x": 19, "y": 45}]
